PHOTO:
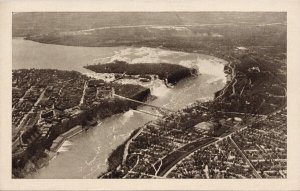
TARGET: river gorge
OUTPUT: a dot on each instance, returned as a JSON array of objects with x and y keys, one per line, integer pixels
[{"x": 85, "y": 155}]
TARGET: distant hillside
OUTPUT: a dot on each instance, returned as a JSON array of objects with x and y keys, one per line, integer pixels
[
  {"x": 35, "y": 23},
  {"x": 202, "y": 32}
]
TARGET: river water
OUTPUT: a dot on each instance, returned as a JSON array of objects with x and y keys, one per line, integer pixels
[{"x": 85, "y": 155}]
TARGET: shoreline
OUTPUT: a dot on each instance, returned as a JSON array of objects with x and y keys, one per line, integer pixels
[
  {"x": 81, "y": 130},
  {"x": 247, "y": 87},
  {"x": 72, "y": 126},
  {"x": 76, "y": 130},
  {"x": 125, "y": 144},
  {"x": 53, "y": 154},
  {"x": 200, "y": 52}
]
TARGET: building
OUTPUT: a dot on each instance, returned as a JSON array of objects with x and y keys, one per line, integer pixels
[{"x": 204, "y": 127}]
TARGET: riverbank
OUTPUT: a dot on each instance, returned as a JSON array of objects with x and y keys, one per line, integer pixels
[
  {"x": 52, "y": 125},
  {"x": 243, "y": 98},
  {"x": 115, "y": 158},
  {"x": 159, "y": 89},
  {"x": 45, "y": 157},
  {"x": 253, "y": 91},
  {"x": 119, "y": 163},
  {"x": 156, "y": 86},
  {"x": 39, "y": 161},
  {"x": 57, "y": 143}
]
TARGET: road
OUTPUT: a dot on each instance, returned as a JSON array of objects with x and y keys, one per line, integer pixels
[
  {"x": 173, "y": 158},
  {"x": 245, "y": 158},
  {"x": 175, "y": 161},
  {"x": 128, "y": 143},
  {"x": 22, "y": 98},
  {"x": 83, "y": 93},
  {"x": 20, "y": 127},
  {"x": 178, "y": 27},
  {"x": 233, "y": 87},
  {"x": 232, "y": 67}
]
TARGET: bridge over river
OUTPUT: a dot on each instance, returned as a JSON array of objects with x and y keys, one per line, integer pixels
[{"x": 161, "y": 110}]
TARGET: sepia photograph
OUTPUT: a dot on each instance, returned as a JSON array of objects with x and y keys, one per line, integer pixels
[
  {"x": 149, "y": 95},
  {"x": 139, "y": 95}
]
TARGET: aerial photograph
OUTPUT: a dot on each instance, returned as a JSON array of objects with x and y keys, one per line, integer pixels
[{"x": 149, "y": 95}]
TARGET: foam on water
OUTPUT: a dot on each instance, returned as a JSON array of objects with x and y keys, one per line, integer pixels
[
  {"x": 63, "y": 149},
  {"x": 204, "y": 64},
  {"x": 67, "y": 143},
  {"x": 126, "y": 116},
  {"x": 90, "y": 162},
  {"x": 159, "y": 89}
]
